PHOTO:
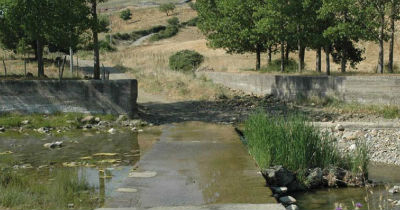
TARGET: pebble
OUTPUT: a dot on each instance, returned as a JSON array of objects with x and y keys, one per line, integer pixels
[
  {"x": 280, "y": 190},
  {"x": 394, "y": 190},
  {"x": 339, "y": 127},
  {"x": 112, "y": 131},
  {"x": 292, "y": 207},
  {"x": 2, "y": 129},
  {"x": 287, "y": 200}
]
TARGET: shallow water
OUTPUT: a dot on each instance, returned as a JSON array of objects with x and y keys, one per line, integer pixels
[
  {"x": 347, "y": 197},
  {"x": 105, "y": 173}
]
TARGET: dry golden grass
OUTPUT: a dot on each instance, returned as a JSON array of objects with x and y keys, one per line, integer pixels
[{"x": 143, "y": 18}]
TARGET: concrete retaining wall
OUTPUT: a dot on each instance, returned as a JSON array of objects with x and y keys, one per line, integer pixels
[
  {"x": 50, "y": 96},
  {"x": 361, "y": 89}
]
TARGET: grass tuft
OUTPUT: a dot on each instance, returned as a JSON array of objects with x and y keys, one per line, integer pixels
[{"x": 297, "y": 145}]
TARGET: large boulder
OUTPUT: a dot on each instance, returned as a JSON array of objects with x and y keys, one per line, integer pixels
[
  {"x": 314, "y": 178},
  {"x": 278, "y": 176}
]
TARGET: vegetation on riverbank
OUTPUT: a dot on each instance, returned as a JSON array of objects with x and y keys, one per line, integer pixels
[
  {"x": 57, "y": 120},
  {"x": 67, "y": 189},
  {"x": 295, "y": 144}
]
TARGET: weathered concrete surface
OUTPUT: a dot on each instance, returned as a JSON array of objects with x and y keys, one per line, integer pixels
[
  {"x": 361, "y": 89},
  {"x": 50, "y": 96},
  {"x": 212, "y": 207},
  {"x": 196, "y": 164}
]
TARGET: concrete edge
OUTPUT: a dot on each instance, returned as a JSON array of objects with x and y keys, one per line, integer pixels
[{"x": 211, "y": 207}]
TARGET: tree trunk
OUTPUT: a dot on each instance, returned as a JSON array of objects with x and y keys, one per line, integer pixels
[
  {"x": 40, "y": 62},
  {"x": 328, "y": 61},
  {"x": 287, "y": 52},
  {"x": 282, "y": 56},
  {"x": 381, "y": 34},
  {"x": 318, "y": 60},
  {"x": 392, "y": 31},
  {"x": 258, "y": 62},
  {"x": 343, "y": 62},
  {"x": 96, "y": 67},
  {"x": 269, "y": 55},
  {"x": 71, "y": 60},
  {"x": 302, "y": 57},
  {"x": 299, "y": 69}
]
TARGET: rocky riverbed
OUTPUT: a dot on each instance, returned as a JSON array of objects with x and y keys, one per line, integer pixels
[{"x": 383, "y": 144}]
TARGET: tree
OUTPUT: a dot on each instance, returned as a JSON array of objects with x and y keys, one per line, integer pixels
[
  {"x": 126, "y": 14},
  {"x": 230, "y": 24},
  {"x": 394, "y": 15},
  {"x": 167, "y": 8}
]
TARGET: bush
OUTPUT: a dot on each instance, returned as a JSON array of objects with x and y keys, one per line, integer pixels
[
  {"x": 297, "y": 145},
  {"x": 193, "y": 6},
  {"x": 173, "y": 21},
  {"x": 167, "y": 8},
  {"x": 170, "y": 31},
  {"x": 106, "y": 46},
  {"x": 275, "y": 66},
  {"x": 191, "y": 22},
  {"x": 126, "y": 14},
  {"x": 185, "y": 60}
]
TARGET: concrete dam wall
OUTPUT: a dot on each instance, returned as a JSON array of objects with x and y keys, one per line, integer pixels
[
  {"x": 50, "y": 96},
  {"x": 360, "y": 89}
]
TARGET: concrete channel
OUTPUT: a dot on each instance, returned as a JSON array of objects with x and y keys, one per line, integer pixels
[{"x": 195, "y": 166}]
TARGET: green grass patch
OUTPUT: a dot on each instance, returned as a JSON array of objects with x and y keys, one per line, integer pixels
[
  {"x": 12, "y": 120},
  {"x": 297, "y": 145},
  {"x": 58, "y": 190},
  {"x": 275, "y": 66}
]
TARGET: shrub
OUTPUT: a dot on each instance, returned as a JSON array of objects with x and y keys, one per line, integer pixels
[
  {"x": 275, "y": 66},
  {"x": 191, "y": 22},
  {"x": 170, "y": 31},
  {"x": 185, "y": 60},
  {"x": 193, "y": 6},
  {"x": 126, "y": 14},
  {"x": 173, "y": 21},
  {"x": 167, "y": 8}
]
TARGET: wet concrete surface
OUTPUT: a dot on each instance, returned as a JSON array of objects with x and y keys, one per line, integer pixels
[{"x": 195, "y": 164}]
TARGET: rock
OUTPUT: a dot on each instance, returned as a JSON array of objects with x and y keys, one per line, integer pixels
[
  {"x": 279, "y": 190},
  {"x": 352, "y": 147},
  {"x": 71, "y": 205},
  {"x": 134, "y": 129},
  {"x": 292, "y": 207},
  {"x": 97, "y": 119},
  {"x": 2, "y": 129},
  {"x": 333, "y": 176},
  {"x": 122, "y": 118},
  {"x": 126, "y": 190},
  {"x": 44, "y": 130},
  {"x": 25, "y": 122},
  {"x": 88, "y": 119},
  {"x": 112, "y": 131},
  {"x": 87, "y": 126},
  {"x": 394, "y": 190},
  {"x": 287, "y": 200},
  {"x": 350, "y": 136},
  {"x": 278, "y": 176},
  {"x": 53, "y": 144},
  {"x": 339, "y": 127},
  {"x": 314, "y": 179}
]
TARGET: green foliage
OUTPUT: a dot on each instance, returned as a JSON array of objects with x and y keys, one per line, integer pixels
[
  {"x": 173, "y": 21},
  {"x": 297, "y": 145},
  {"x": 135, "y": 35},
  {"x": 126, "y": 14},
  {"x": 191, "y": 22},
  {"x": 170, "y": 31},
  {"x": 185, "y": 60},
  {"x": 275, "y": 66},
  {"x": 22, "y": 191},
  {"x": 193, "y": 6},
  {"x": 168, "y": 8}
]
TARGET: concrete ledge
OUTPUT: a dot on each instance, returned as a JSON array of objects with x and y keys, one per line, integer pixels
[
  {"x": 360, "y": 89},
  {"x": 50, "y": 96},
  {"x": 211, "y": 207}
]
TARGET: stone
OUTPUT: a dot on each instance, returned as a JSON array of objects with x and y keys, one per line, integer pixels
[
  {"x": 122, "y": 118},
  {"x": 71, "y": 205},
  {"x": 314, "y": 178},
  {"x": 87, "y": 126},
  {"x": 112, "y": 131},
  {"x": 126, "y": 190},
  {"x": 53, "y": 145},
  {"x": 278, "y": 176},
  {"x": 287, "y": 200},
  {"x": 279, "y": 190},
  {"x": 88, "y": 119},
  {"x": 44, "y": 130},
  {"x": 97, "y": 119},
  {"x": 292, "y": 207},
  {"x": 350, "y": 136},
  {"x": 395, "y": 189},
  {"x": 339, "y": 127},
  {"x": 145, "y": 174},
  {"x": 134, "y": 129},
  {"x": 2, "y": 129},
  {"x": 25, "y": 122},
  {"x": 352, "y": 147}
]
